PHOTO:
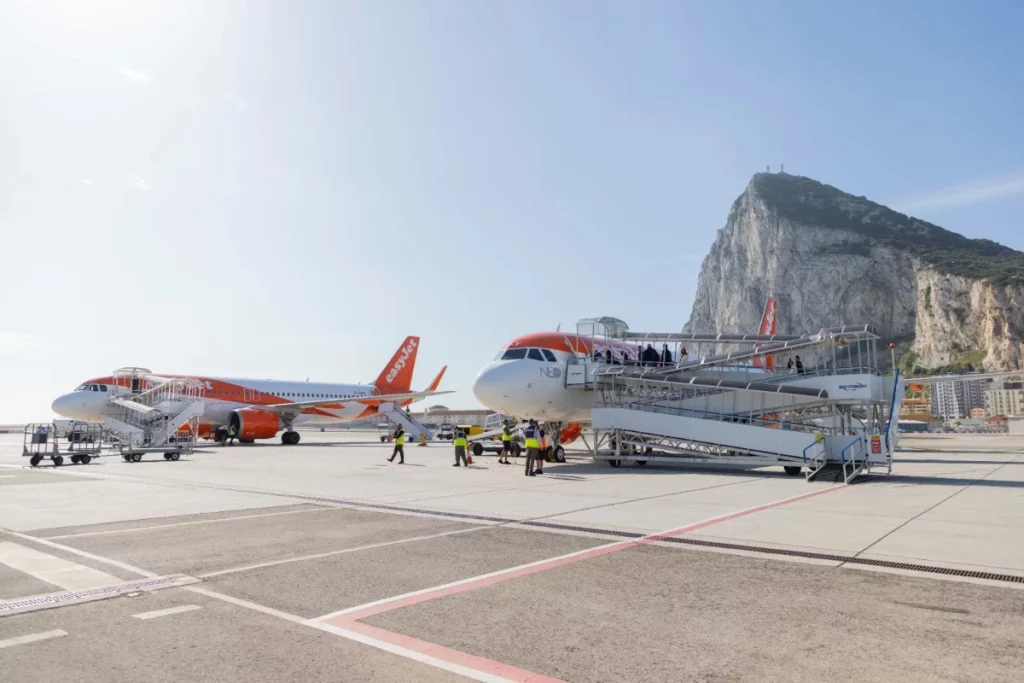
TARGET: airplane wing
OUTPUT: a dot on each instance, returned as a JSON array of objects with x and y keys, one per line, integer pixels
[{"x": 299, "y": 406}]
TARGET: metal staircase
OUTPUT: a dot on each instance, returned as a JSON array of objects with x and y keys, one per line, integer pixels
[
  {"x": 413, "y": 427},
  {"x": 833, "y": 422},
  {"x": 153, "y": 414}
]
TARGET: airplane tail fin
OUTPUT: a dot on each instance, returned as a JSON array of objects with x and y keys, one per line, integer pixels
[
  {"x": 396, "y": 377},
  {"x": 769, "y": 325},
  {"x": 437, "y": 380}
]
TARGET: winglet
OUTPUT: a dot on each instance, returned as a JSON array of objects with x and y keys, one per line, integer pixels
[
  {"x": 396, "y": 377},
  {"x": 437, "y": 380}
]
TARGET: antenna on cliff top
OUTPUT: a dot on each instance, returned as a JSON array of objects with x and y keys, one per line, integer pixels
[
  {"x": 768, "y": 169},
  {"x": 782, "y": 168}
]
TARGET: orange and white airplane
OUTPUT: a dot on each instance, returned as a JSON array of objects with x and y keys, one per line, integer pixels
[
  {"x": 260, "y": 408},
  {"x": 526, "y": 377}
]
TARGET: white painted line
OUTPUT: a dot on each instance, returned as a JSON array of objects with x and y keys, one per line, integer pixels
[
  {"x": 350, "y": 635},
  {"x": 7, "y": 476},
  {"x": 177, "y": 524},
  {"x": 82, "y": 553},
  {"x": 317, "y": 556},
  {"x": 34, "y": 603},
  {"x": 52, "y": 569},
  {"x": 156, "y": 614},
  {"x": 21, "y": 640}
]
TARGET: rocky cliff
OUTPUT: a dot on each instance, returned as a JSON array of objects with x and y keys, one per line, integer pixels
[{"x": 831, "y": 258}]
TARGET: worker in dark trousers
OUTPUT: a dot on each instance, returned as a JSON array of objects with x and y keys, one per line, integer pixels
[
  {"x": 531, "y": 437},
  {"x": 460, "y": 447},
  {"x": 506, "y": 444},
  {"x": 399, "y": 442}
]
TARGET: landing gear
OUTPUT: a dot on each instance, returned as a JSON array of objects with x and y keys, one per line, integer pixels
[
  {"x": 792, "y": 470},
  {"x": 559, "y": 454},
  {"x": 289, "y": 438}
]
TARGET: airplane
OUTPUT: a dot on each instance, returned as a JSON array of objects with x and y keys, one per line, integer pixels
[
  {"x": 525, "y": 377},
  {"x": 259, "y": 409}
]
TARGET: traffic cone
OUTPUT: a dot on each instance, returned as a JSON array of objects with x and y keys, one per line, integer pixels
[{"x": 469, "y": 459}]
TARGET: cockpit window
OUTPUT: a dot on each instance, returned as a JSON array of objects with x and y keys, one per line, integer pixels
[
  {"x": 514, "y": 354},
  {"x": 548, "y": 355},
  {"x": 535, "y": 354}
]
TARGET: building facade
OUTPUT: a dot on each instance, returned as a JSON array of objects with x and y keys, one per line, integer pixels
[{"x": 1006, "y": 400}]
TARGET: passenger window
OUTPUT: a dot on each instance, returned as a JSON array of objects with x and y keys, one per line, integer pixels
[
  {"x": 514, "y": 354},
  {"x": 534, "y": 354},
  {"x": 548, "y": 355}
]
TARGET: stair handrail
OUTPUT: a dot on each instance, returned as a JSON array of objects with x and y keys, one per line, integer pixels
[{"x": 842, "y": 456}]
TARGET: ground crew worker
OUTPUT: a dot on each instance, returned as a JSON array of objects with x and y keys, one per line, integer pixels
[
  {"x": 506, "y": 444},
  {"x": 399, "y": 442},
  {"x": 232, "y": 434},
  {"x": 531, "y": 436},
  {"x": 460, "y": 447}
]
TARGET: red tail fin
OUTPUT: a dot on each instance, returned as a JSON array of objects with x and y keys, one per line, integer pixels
[
  {"x": 437, "y": 380},
  {"x": 769, "y": 325},
  {"x": 396, "y": 377}
]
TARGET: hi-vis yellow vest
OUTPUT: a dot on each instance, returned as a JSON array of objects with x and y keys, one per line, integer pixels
[
  {"x": 460, "y": 441},
  {"x": 400, "y": 439},
  {"x": 531, "y": 437}
]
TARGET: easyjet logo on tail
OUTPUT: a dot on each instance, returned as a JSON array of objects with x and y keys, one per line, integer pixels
[
  {"x": 406, "y": 351},
  {"x": 396, "y": 377}
]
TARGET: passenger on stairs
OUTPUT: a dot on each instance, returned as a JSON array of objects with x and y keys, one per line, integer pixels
[
  {"x": 799, "y": 366},
  {"x": 666, "y": 356},
  {"x": 650, "y": 357}
]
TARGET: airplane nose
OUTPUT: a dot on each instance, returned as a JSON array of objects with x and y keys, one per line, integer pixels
[
  {"x": 493, "y": 388},
  {"x": 62, "y": 405}
]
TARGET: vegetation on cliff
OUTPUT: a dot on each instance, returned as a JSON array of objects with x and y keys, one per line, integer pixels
[{"x": 809, "y": 202}]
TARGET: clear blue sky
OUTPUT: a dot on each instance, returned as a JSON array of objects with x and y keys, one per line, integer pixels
[{"x": 285, "y": 190}]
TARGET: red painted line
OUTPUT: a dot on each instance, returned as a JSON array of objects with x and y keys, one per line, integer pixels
[
  {"x": 408, "y": 600},
  {"x": 481, "y": 664}
]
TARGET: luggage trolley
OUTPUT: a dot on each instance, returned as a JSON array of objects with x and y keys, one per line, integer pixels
[{"x": 41, "y": 441}]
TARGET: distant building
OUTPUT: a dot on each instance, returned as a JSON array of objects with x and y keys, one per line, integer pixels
[
  {"x": 955, "y": 399},
  {"x": 978, "y": 413},
  {"x": 1005, "y": 401}
]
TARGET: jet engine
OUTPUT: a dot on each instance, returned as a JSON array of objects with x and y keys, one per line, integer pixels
[{"x": 253, "y": 423}]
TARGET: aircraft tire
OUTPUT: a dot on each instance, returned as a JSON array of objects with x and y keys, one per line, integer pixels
[
  {"x": 559, "y": 454},
  {"x": 58, "y": 460},
  {"x": 295, "y": 438},
  {"x": 792, "y": 470}
]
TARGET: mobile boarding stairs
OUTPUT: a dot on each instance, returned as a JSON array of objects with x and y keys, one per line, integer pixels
[
  {"x": 834, "y": 422},
  {"x": 151, "y": 414}
]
